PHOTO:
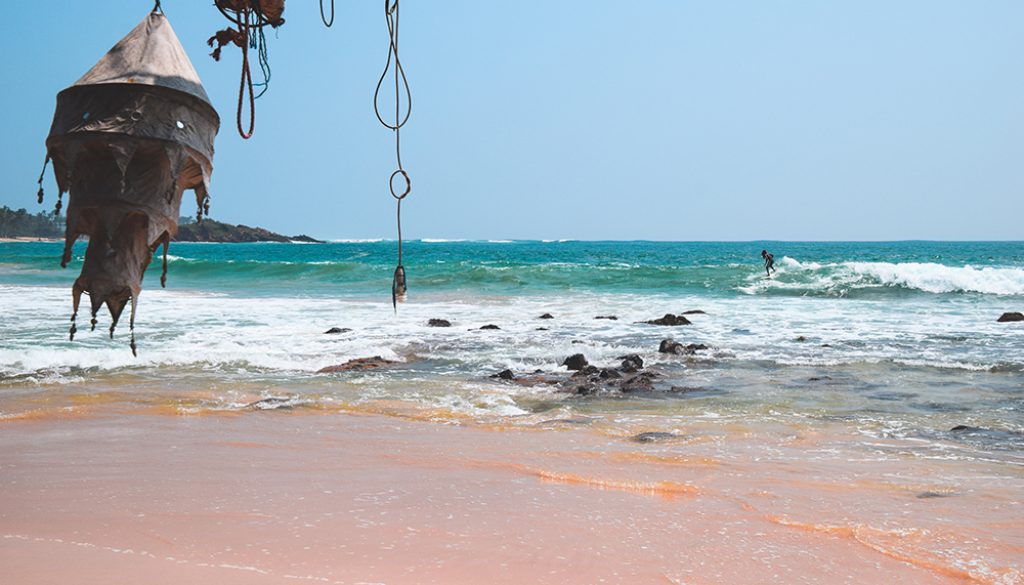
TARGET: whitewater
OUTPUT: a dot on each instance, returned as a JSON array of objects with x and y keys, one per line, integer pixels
[{"x": 910, "y": 322}]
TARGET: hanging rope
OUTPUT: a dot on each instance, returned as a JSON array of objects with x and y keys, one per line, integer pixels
[
  {"x": 246, "y": 82},
  {"x": 258, "y": 41},
  {"x": 249, "y": 18},
  {"x": 327, "y": 21},
  {"x": 391, "y": 13},
  {"x": 157, "y": 7}
]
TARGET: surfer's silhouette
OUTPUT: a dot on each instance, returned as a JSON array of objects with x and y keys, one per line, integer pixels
[{"x": 769, "y": 262}]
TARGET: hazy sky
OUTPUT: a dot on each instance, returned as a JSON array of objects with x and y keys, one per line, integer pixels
[{"x": 671, "y": 120}]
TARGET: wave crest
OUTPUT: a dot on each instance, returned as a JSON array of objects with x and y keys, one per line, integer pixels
[{"x": 839, "y": 278}]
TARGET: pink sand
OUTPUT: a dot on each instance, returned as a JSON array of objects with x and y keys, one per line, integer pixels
[{"x": 357, "y": 499}]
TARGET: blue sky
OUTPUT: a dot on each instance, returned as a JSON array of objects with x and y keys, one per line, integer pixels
[{"x": 736, "y": 120}]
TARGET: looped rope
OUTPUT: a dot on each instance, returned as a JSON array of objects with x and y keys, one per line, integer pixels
[
  {"x": 248, "y": 20},
  {"x": 391, "y": 13},
  {"x": 246, "y": 81},
  {"x": 328, "y": 22},
  {"x": 408, "y": 184},
  {"x": 157, "y": 7}
]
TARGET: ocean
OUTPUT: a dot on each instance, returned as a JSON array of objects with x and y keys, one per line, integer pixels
[{"x": 902, "y": 334}]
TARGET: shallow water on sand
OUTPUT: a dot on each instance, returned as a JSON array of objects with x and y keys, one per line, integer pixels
[{"x": 873, "y": 402}]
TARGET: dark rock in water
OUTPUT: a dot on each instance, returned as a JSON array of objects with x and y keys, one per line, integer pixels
[
  {"x": 1010, "y": 317},
  {"x": 990, "y": 436},
  {"x": 608, "y": 317},
  {"x": 694, "y": 312},
  {"x": 819, "y": 378},
  {"x": 638, "y": 383},
  {"x": 272, "y": 403},
  {"x": 632, "y": 363},
  {"x": 369, "y": 363},
  {"x": 542, "y": 329},
  {"x": 575, "y": 341},
  {"x": 653, "y": 437},
  {"x": 587, "y": 370},
  {"x": 334, "y": 330},
  {"x": 609, "y": 374},
  {"x": 504, "y": 375},
  {"x": 439, "y": 323},
  {"x": 673, "y": 346},
  {"x": 587, "y": 389},
  {"x": 669, "y": 346},
  {"x": 546, "y": 316},
  {"x": 576, "y": 362},
  {"x": 669, "y": 319},
  {"x": 929, "y": 495},
  {"x": 688, "y": 389},
  {"x": 538, "y": 371},
  {"x": 538, "y": 380},
  {"x": 801, "y": 339},
  {"x": 826, "y": 345},
  {"x": 490, "y": 327}
]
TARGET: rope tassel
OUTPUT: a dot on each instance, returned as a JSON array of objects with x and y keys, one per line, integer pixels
[{"x": 42, "y": 175}]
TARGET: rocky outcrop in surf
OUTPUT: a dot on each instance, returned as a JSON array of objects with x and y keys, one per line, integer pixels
[
  {"x": 1010, "y": 317},
  {"x": 367, "y": 363},
  {"x": 674, "y": 347},
  {"x": 670, "y": 320},
  {"x": 575, "y": 362}
]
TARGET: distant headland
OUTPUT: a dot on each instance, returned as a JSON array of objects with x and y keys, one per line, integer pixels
[
  {"x": 209, "y": 230},
  {"x": 21, "y": 225}
]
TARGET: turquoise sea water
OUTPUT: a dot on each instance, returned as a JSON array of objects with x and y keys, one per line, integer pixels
[
  {"x": 897, "y": 338},
  {"x": 722, "y": 269}
]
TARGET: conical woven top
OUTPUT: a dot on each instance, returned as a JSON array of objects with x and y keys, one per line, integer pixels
[{"x": 150, "y": 55}]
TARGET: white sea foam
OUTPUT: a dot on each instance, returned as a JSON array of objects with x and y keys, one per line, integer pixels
[
  {"x": 281, "y": 334},
  {"x": 923, "y": 276}
]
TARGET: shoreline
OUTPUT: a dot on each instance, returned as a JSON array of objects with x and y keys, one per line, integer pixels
[
  {"x": 14, "y": 239},
  {"x": 268, "y": 497}
]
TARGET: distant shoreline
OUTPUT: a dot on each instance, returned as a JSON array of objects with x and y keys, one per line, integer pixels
[{"x": 8, "y": 240}]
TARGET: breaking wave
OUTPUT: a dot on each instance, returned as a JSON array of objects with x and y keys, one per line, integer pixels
[{"x": 844, "y": 278}]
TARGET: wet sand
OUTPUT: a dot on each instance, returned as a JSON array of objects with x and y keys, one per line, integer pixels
[{"x": 280, "y": 497}]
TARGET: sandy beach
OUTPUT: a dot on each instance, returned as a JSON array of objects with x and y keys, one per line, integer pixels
[{"x": 349, "y": 498}]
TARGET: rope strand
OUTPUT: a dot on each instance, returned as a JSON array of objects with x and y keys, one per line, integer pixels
[
  {"x": 391, "y": 14},
  {"x": 328, "y": 22}
]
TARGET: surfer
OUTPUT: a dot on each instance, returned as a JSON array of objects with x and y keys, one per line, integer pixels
[{"x": 769, "y": 262}]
